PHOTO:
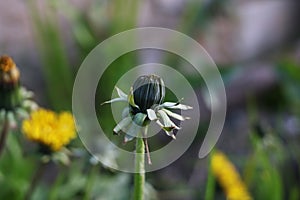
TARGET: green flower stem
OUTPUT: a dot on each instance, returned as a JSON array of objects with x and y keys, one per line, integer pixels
[
  {"x": 139, "y": 177},
  {"x": 4, "y": 134},
  {"x": 61, "y": 176},
  {"x": 90, "y": 181},
  {"x": 35, "y": 179},
  {"x": 211, "y": 182}
]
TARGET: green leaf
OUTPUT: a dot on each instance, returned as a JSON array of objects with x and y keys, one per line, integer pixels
[
  {"x": 57, "y": 70},
  {"x": 260, "y": 168}
]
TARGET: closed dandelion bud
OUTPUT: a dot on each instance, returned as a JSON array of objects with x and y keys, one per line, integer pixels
[
  {"x": 9, "y": 84},
  {"x": 145, "y": 105},
  {"x": 148, "y": 90}
]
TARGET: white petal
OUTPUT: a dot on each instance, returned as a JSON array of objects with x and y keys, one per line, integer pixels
[
  {"x": 128, "y": 138},
  {"x": 121, "y": 93},
  {"x": 169, "y": 133},
  {"x": 122, "y": 125},
  {"x": 132, "y": 132},
  {"x": 174, "y": 115},
  {"x": 182, "y": 107},
  {"x": 135, "y": 127},
  {"x": 168, "y": 125},
  {"x": 166, "y": 120},
  {"x": 151, "y": 114},
  {"x": 114, "y": 100},
  {"x": 172, "y": 105},
  {"x": 125, "y": 112}
]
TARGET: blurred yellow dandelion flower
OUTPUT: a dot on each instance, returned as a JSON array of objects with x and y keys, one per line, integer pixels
[
  {"x": 228, "y": 177},
  {"x": 50, "y": 129}
]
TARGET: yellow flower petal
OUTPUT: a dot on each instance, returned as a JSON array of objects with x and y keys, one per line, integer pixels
[
  {"x": 50, "y": 129},
  {"x": 228, "y": 177}
]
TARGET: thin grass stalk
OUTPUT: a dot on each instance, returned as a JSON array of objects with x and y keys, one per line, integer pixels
[
  {"x": 4, "y": 134},
  {"x": 211, "y": 182}
]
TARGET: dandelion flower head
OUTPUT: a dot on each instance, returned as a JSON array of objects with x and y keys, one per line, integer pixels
[{"x": 49, "y": 128}]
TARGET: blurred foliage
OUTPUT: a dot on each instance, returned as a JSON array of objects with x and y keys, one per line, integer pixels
[
  {"x": 57, "y": 70},
  {"x": 271, "y": 168},
  {"x": 289, "y": 74},
  {"x": 261, "y": 170},
  {"x": 16, "y": 170}
]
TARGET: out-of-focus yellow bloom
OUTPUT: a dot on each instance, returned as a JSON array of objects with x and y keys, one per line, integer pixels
[
  {"x": 228, "y": 177},
  {"x": 50, "y": 129}
]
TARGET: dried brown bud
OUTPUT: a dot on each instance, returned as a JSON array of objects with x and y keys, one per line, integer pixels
[
  {"x": 9, "y": 84},
  {"x": 9, "y": 73}
]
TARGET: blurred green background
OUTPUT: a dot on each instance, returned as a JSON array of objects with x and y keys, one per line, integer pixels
[{"x": 256, "y": 46}]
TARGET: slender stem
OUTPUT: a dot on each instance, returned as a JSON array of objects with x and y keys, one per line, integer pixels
[
  {"x": 147, "y": 151},
  {"x": 139, "y": 177},
  {"x": 210, "y": 185},
  {"x": 146, "y": 145},
  {"x": 36, "y": 177},
  {"x": 90, "y": 182},
  {"x": 4, "y": 134},
  {"x": 55, "y": 187}
]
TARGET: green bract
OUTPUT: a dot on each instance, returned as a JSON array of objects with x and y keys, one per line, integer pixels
[
  {"x": 15, "y": 101},
  {"x": 145, "y": 105}
]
